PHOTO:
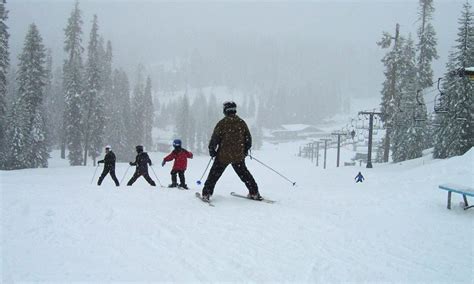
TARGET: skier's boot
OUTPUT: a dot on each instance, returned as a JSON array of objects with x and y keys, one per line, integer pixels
[
  {"x": 172, "y": 185},
  {"x": 206, "y": 197},
  {"x": 256, "y": 196},
  {"x": 185, "y": 186}
]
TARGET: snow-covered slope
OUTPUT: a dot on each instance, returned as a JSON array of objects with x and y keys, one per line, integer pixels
[{"x": 394, "y": 227}]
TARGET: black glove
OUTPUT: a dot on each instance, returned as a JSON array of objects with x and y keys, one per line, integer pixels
[
  {"x": 100, "y": 162},
  {"x": 163, "y": 163},
  {"x": 131, "y": 163},
  {"x": 212, "y": 153}
]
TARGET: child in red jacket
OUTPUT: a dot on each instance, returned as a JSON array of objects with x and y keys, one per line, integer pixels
[{"x": 180, "y": 157}]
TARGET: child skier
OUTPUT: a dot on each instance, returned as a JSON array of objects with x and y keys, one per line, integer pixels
[
  {"x": 359, "y": 177},
  {"x": 109, "y": 166},
  {"x": 141, "y": 161},
  {"x": 180, "y": 157}
]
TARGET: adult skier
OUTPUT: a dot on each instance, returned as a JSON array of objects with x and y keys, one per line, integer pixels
[
  {"x": 109, "y": 166},
  {"x": 359, "y": 177},
  {"x": 141, "y": 161},
  {"x": 230, "y": 143},
  {"x": 180, "y": 157}
]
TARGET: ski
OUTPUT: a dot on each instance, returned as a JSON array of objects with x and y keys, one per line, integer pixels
[
  {"x": 245, "y": 197},
  {"x": 198, "y": 195}
]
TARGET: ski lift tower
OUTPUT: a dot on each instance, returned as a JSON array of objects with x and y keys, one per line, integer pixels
[{"x": 371, "y": 127}]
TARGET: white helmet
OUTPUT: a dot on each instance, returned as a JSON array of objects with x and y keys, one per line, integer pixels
[{"x": 108, "y": 147}]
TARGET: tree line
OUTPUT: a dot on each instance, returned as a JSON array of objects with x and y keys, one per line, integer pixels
[
  {"x": 78, "y": 107},
  {"x": 410, "y": 128}
]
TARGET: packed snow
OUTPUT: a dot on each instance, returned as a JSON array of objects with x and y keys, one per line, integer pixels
[{"x": 57, "y": 226}]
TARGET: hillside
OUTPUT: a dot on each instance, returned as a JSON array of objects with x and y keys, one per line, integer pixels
[{"x": 394, "y": 227}]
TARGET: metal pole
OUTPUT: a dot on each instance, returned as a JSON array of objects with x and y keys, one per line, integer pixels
[
  {"x": 317, "y": 155},
  {"x": 338, "y": 149},
  {"x": 325, "y": 151},
  {"x": 369, "y": 153},
  {"x": 371, "y": 127},
  {"x": 94, "y": 173}
]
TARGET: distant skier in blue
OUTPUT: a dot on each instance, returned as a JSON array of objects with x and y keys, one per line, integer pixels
[{"x": 359, "y": 178}]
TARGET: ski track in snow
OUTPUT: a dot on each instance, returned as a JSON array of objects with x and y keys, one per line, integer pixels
[{"x": 394, "y": 227}]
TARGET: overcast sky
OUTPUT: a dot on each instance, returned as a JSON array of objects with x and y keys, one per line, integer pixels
[{"x": 154, "y": 31}]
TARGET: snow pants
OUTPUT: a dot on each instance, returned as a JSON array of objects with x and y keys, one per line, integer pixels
[
  {"x": 217, "y": 170},
  {"x": 174, "y": 174},
  {"x": 106, "y": 171},
  {"x": 145, "y": 175}
]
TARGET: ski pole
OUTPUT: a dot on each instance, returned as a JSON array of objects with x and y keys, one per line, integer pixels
[
  {"x": 156, "y": 176},
  {"x": 253, "y": 158},
  {"x": 205, "y": 170},
  {"x": 95, "y": 172},
  {"x": 124, "y": 174}
]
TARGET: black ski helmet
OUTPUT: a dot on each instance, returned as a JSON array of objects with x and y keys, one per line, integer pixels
[
  {"x": 139, "y": 148},
  {"x": 177, "y": 143},
  {"x": 230, "y": 107}
]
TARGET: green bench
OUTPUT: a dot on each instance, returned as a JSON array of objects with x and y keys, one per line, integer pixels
[{"x": 464, "y": 190}]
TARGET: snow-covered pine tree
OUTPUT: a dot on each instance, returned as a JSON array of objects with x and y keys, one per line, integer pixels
[
  {"x": 48, "y": 96},
  {"x": 73, "y": 87},
  {"x": 94, "y": 115},
  {"x": 455, "y": 135},
  {"x": 17, "y": 157},
  {"x": 183, "y": 122},
  {"x": 56, "y": 108},
  {"x": 27, "y": 131},
  {"x": 426, "y": 46},
  {"x": 442, "y": 120},
  {"x": 138, "y": 116},
  {"x": 201, "y": 126},
  {"x": 390, "y": 91},
  {"x": 107, "y": 86},
  {"x": 4, "y": 64},
  {"x": 410, "y": 123},
  {"x": 148, "y": 114},
  {"x": 214, "y": 114},
  {"x": 426, "y": 53},
  {"x": 122, "y": 127}
]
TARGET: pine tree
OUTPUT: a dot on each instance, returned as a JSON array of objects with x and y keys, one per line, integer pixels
[
  {"x": 73, "y": 87},
  {"x": 107, "y": 85},
  {"x": 426, "y": 46},
  {"x": 442, "y": 119},
  {"x": 390, "y": 92},
  {"x": 48, "y": 96},
  {"x": 94, "y": 102},
  {"x": 121, "y": 129},
  {"x": 27, "y": 133},
  {"x": 199, "y": 111},
  {"x": 410, "y": 122},
  {"x": 426, "y": 53},
  {"x": 183, "y": 121},
  {"x": 55, "y": 103},
  {"x": 455, "y": 136},
  {"x": 4, "y": 64},
  {"x": 148, "y": 114},
  {"x": 138, "y": 116}
]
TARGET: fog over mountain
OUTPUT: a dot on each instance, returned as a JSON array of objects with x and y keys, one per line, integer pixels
[{"x": 241, "y": 43}]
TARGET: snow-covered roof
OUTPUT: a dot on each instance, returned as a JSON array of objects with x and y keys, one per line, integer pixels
[
  {"x": 470, "y": 69},
  {"x": 297, "y": 127}
]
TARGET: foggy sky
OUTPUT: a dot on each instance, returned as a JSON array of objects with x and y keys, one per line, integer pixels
[{"x": 152, "y": 32}]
